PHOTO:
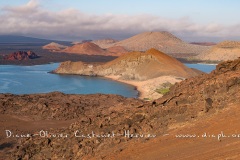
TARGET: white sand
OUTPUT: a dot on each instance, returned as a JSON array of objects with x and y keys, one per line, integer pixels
[{"x": 147, "y": 88}]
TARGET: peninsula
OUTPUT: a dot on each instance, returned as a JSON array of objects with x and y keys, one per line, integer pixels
[{"x": 148, "y": 71}]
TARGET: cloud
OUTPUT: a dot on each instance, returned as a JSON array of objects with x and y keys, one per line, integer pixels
[
  {"x": 33, "y": 20},
  {"x": 28, "y": 8}
]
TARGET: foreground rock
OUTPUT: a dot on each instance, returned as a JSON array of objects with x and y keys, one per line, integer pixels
[
  {"x": 208, "y": 92},
  {"x": 227, "y": 50},
  {"x": 21, "y": 55},
  {"x": 188, "y": 101}
]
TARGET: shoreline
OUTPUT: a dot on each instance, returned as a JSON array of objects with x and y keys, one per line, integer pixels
[
  {"x": 116, "y": 78},
  {"x": 146, "y": 89},
  {"x": 211, "y": 64}
]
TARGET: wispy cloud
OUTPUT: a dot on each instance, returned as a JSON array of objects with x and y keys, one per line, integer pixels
[
  {"x": 28, "y": 8},
  {"x": 31, "y": 19}
]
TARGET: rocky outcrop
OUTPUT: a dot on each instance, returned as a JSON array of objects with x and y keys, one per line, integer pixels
[
  {"x": 59, "y": 106},
  {"x": 107, "y": 114},
  {"x": 227, "y": 50},
  {"x": 131, "y": 66},
  {"x": 207, "y": 92},
  {"x": 21, "y": 55}
]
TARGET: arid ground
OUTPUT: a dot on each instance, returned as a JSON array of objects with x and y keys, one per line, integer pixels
[{"x": 204, "y": 107}]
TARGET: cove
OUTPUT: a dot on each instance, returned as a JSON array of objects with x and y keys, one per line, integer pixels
[{"x": 36, "y": 79}]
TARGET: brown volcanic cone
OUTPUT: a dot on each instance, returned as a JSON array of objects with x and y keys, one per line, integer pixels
[
  {"x": 163, "y": 41},
  {"x": 227, "y": 50},
  {"x": 132, "y": 66},
  {"x": 86, "y": 48},
  {"x": 54, "y": 46},
  {"x": 148, "y": 65},
  {"x": 93, "y": 49}
]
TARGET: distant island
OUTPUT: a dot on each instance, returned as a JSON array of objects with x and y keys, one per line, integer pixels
[
  {"x": 20, "y": 55},
  {"x": 227, "y": 50}
]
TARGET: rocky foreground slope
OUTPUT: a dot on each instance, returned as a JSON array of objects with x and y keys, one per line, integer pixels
[
  {"x": 227, "y": 50},
  {"x": 107, "y": 120},
  {"x": 131, "y": 66}
]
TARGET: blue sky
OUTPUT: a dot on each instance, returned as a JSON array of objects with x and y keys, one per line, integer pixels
[{"x": 216, "y": 18}]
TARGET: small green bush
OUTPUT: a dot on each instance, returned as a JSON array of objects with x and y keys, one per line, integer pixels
[
  {"x": 146, "y": 99},
  {"x": 162, "y": 90}
]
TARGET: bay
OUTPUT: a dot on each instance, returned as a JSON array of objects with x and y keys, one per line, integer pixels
[{"x": 36, "y": 79}]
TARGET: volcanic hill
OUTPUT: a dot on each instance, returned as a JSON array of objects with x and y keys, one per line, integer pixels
[
  {"x": 132, "y": 66},
  {"x": 204, "y": 105},
  {"x": 163, "y": 41},
  {"x": 54, "y": 46},
  {"x": 226, "y": 50},
  {"x": 85, "y": 48},
  {"x": 90, "y": 48}
]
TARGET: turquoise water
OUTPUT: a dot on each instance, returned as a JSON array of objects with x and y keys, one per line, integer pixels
[
  {"x": 202, "y": 67},
  {"x": 36, "y": 79}
]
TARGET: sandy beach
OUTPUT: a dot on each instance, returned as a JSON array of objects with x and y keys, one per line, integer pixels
[{"x": 147, "y": 88}]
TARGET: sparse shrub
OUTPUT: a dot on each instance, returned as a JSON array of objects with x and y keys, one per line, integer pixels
[
  {"x": 164, "y": 88},
  {"x": 146, "y": 99}
]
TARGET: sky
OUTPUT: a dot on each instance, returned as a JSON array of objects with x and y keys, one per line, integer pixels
[{"x": 190, "y": 20}]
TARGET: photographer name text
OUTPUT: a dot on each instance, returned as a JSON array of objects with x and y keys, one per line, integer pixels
[{"x": 77, "y": 134}]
